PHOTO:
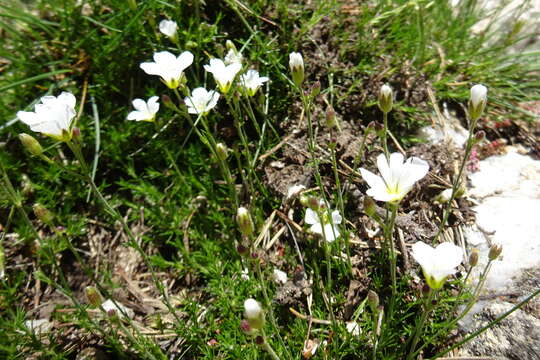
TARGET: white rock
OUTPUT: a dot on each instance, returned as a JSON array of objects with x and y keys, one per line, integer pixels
[
  {"x": 38, "y": 326},
  {"x": 508, "y": 191}
]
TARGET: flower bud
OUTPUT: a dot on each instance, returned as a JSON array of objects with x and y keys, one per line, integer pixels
[
  {"x": 43, "y": 214},
  {"x": 479, "y": 136},
  {"x": 253, "y": 314},
  {"x": 259, "y": 340},
  {"x": 386, "y": 98},
  {"x": 167, "y": 102},
  {"x": 222, "y": 151},
  {"x": 477, "y": 101},
  {"x": 369, "y": 206},
  {"x": 93, "y": 296},
  {"x": 331, "y": 118},
  {"x": 296, "y": 64},
  {"x": 313, "y": 203},
  {"x": 473, "y": 257},
  {"x": 315, "y": 89},
  {"x": 242, "y": 250},
  {"x": 31, "y": 144},
  {"x": 245, "y": 327},
  {"x": 245, "y": 223},
  {"x": 76, "y": 134},
  {"x": 373, "y": 300},
  {"x": 230, "y": 46},
  {"x": 304, "y": 200},
  {"x": 495, "y": 251},
  {"x": 132, "y": 4}
]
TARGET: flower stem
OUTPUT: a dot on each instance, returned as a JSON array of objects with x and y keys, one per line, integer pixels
[
  {"x": 384, "y": 137},
  {"x": 420, "y": 323}
]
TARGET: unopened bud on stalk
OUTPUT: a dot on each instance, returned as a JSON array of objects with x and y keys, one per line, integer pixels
[
  {"x": 222, "y": 151},
  {"x": 254, "y": 314},
  {"x": 43, "y": 214},
  {"x": 93, "y": 296},
  {"x": 479, "y": 136},
  {"x": 76, "y": 134},
  {"x": 313, "y": 203},
  {"x": 373, "y": 300},
  {"x": 495, "y": 251},
  {"x": 386, "y": 98},
  {"x": 242, "y": 250},
  {"x": 331, "y": 118},
  {"x": 477, "y": 101},
  {"x": 31, "y": 144},
  {"x": 315, "y": 89},
  {"x": 304, "y": 200},
  {"x": 245, "y": 223},
  {"x": 296, "y": 64},
  {"x": 369, "y": 206},
  {"x": 167, "y": 102},
  {"x": 473, "y": 257},
  {"x": 230, "y": 46}
]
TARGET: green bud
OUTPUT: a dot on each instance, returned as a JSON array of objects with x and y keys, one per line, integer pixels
[
  {"x": 373, "y": 300},
  {"x": 93, "y": 296},
  {"x": 244, "y": 221},
  {"x": 331, "y": 118},
  {"x": 296, "y": 64},
  {"x": 494, "y": 251},
  {"x": 473, "y": 257},
  {"x": 43, "y": 214},
  {"x": 31, "y": 144},
  {"x": 386, "y": 98},
  {"x": 477, "y": 101},
  {"x": 369, "y": 207},
  {"x": 222, "y": 151}
]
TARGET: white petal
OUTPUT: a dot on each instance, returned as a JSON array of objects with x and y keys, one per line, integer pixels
[
  {"x": 28, "y": 117},
  {"x": 413, "y": 170},
  {"x": 140, "y": 105},
  {"x": 331, "y": 233},
  {"x": 67, "y": 98},
  {"x": 336, "y": 217},
  {"x": 373, "y": 180},
  {"x": 424, "y": 255},
  {"x": 164, "y": 57},
  {"x": 380, "y": 193},
  {"x": 185, "y": 59},
  {"x": 384, "y": 169},
  {"x": 137, "y": 116},
  {"x": 153, "y": 105},
  {"x": 316, "y": 228},
  {"x": 150, "y": 68},
  {"x": 311, "y": 217}
]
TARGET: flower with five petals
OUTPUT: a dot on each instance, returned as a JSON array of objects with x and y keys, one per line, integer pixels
[
  {"x": 251, "y": 81},
  {"x": 326, "y": 224},
  {"x": 201, "y": 101},
  {"x": 223, "y": 74},
  {"x": 169, "y": 67},
  {"x": 144, "y": 111},
  {"x": 397, "y": 177},
  {"x": 52, "y": 116},
  {"x": 437, "y": 263}
]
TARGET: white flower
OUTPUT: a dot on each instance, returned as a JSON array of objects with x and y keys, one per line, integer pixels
[
  {"x": 144, "y": 111},
  {"x": 251, "y": 81},
  {"x": 169, "y": 67},
  {"x": 252, "y": 309},
  {"x": 279, "y": 276},
  {"x": 223, "y": 74},
  {"x": 296, "y": 64},
  {"x": 201, "y": 101},
  {"x": 353, "y": 328},
  {"x": 168, "y": 28},
  {"x": 439, "y": 263},
  {"x": 245, "y": 274},
  {"x": 52, "y": 116},
  {"x": 232, "y": 57},
  {"x": 397, "y": 177},
  {"x": 478, "y": 95},
  {"x": 294, "y": 190},
  {"x": 327, "y": 227},
  {"x": 296, "y": 61}
]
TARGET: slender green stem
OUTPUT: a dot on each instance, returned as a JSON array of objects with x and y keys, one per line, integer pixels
[
  {"x": 266, "y": 346},
  {"x": 385, "y": 134},
  {"x": 426, "y": 309}
]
